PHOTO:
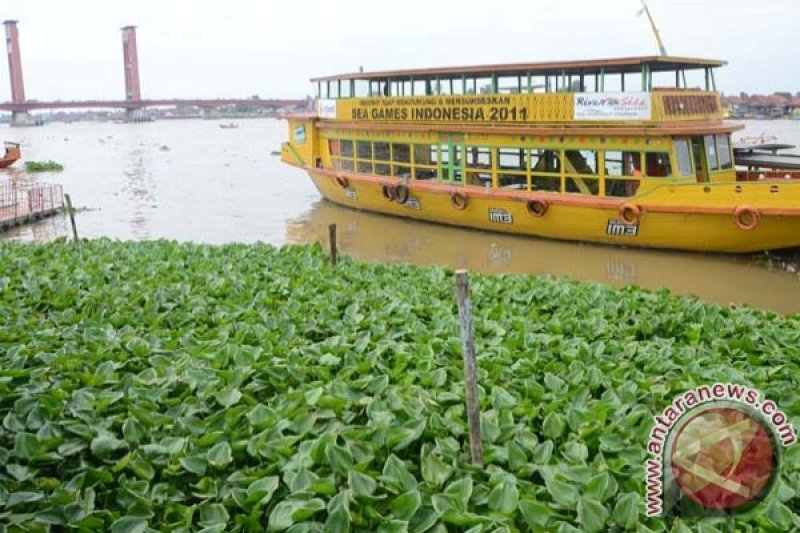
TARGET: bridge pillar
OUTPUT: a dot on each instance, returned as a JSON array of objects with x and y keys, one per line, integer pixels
[
  {"x": 136, "y": 115},
  {"x": 14, "y": 62},
  {"x": 130, "y": 52},
  {"x": 21, "y": 118}
]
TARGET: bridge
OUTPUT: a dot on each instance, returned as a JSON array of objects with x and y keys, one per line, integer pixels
[{"x": 133, "y": 104}]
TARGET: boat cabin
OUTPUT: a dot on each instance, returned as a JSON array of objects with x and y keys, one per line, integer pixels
[{"x": 598, "y": 128}]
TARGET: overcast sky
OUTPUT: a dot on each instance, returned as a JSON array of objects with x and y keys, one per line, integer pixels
[{"x": 237, "y": 48}]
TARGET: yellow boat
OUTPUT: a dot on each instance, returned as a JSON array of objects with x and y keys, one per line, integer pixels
[{"x": 629, "y": 151}]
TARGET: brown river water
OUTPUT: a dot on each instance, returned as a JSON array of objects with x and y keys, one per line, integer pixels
[{"x": 191, "y": 180}]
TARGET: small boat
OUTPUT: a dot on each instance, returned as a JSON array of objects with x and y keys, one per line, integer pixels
[
  {"x": 12, "y": 154},
  {"x": 619, "y": 151},
  {"x": 229, "y": 126}
]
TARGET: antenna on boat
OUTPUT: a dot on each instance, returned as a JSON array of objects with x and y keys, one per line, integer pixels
[{"x": 646, "y": 10}]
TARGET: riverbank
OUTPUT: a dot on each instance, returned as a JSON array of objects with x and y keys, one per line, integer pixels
[{"x": 245, "y": 386}]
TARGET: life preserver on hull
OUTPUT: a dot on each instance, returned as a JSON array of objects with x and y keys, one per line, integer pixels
[
  {"x": 537, "y": 208},
  {"x": 342, "y": 181},
  {"x": 401, "y": 193},
  {"x": 388, "y": 192},
  {"x": 746, "y": 218},
  {"x": 459, "y": 200},
  {"x": 630, "y": 214}
]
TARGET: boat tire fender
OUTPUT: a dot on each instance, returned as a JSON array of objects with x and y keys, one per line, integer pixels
[
  {"x": 401, "y": 193},
  {"x": 746, "y": 217},
  {"x": 630, "y": 214},
  {"x": 388, "y": 192},
  {"x": 459, "y": 200},
  {"x": 537, "y": 208},
  {"x": 342, "y": 181}
]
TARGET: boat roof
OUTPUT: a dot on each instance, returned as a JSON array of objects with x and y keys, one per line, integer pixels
[{"x": 595, "y": 66}]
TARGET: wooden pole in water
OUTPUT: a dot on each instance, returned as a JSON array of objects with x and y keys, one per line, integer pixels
[
  {"x": 332, "y": 241},
  {"x": 470, "y": 366},
  {"x": 71, "y": 217}
]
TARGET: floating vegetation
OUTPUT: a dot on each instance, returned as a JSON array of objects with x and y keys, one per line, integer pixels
[
  {"x": 43, "y": 166},
  {"x": 183, "y": 387}
]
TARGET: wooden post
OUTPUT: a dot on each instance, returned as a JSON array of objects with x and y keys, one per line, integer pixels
[
  {"x": 332, "y": 241},
  {"x": 470, "y": 366},
  {"x": 71, "y": 217}
]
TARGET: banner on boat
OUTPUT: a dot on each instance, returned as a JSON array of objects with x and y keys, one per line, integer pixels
[
  {"x": 456, "y": 108},
  {"x": 613, "y": 106}
]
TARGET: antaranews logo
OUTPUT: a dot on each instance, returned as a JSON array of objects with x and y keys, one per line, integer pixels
[{"x": 715, "y": 451}]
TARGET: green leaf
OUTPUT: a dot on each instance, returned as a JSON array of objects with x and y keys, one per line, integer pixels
[
  {"x": 228, "y": 397},
  {"x": 626, "y": 511},
  {"x": 339, "y": 517},
  {"x": 461, "y": 490},
  {"x": 592, "y": 515},
  {"x": 219, "y": 456},
  {"x": 777, "y": 514},
  {"x": 129, "y": 524},
  {"x": 435, "y": 471},
  {"x": 260, "y": 491},
  {"x": 536, "y": 514},
  {"x": 361, "y": 485},
  {"x": 562, "y": 493},
  {"x": 289, "y": 512},
  {"x": 195, "y": 464},
  {"x": 405, "y": 506},
  {"x": 16, "y": 498},
  {"x": 340, "y": 459},
  {"x": 553, "y": 426},
  {"x": 504, "y": 498},
  {"x": 26, "y": 445},
  {"x": 106, "y": 445}
]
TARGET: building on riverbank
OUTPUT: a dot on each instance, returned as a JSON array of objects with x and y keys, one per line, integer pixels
[{"x": 757, "y": 106}]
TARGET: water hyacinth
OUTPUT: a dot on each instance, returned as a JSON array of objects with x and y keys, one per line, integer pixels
[{"x": 180, "y": 387}]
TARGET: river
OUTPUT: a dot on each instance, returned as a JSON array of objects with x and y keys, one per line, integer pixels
[{"x": 192, "y": 180}]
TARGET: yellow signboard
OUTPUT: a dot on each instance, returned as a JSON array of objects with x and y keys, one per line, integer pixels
[{"x": 458, "y": 108}]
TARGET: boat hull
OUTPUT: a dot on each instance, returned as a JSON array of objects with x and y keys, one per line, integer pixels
[{"x": 662, "y": 223}]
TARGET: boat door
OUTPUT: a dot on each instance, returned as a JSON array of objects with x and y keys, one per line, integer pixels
[
  {"x": 451, "y": 159},
  {"x": 700, "y": 163}
]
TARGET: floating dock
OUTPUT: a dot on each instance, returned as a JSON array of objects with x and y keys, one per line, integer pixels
[{"x": 27, "y": 203}]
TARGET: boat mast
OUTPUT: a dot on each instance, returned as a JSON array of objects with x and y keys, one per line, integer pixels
[{"x": 646, "y": 10}]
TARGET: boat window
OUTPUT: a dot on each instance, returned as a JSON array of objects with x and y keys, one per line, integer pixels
[
  {"x": 724, "y": 150},
  {"x": 512, "y": 159},
  {"x": 545, "y": 169},
  {"x": 401, "y": 160},
  {"x": 623, "y": 170},
  {"x": 425, "y": 162},
  {"x": 479, "y": 165},
  {"x": 346, "y": 148},
  {"x": 382, "y": 158},
  {"x": 620, "y": 163},
  {"x": 512, "y": 168},
  {"x": 581, "y": 170},
  {"x": 364, "y": 155},
  {"x": 684, "y": 157},
  {"x": 401, "y": 153},
  {"x": 483, "y": 85},
  {"x": 364, "y": 149},
  {"x": 711, "y": 152},
  {"x": 657, "y": 165},
  {"x": 581, "y": 161},
  {"x": 341, "y": 154}
]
